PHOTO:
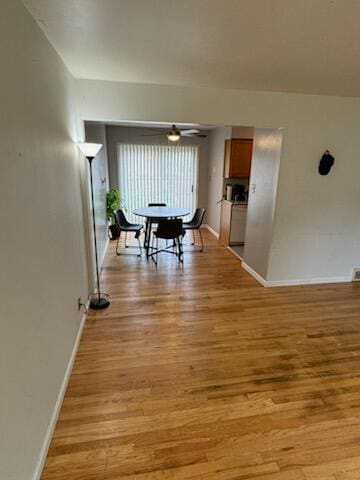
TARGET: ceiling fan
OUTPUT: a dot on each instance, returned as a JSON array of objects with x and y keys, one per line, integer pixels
[{"x": 174, "y": 134}]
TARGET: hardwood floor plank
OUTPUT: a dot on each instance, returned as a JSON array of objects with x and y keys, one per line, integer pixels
[
  {"x": 352, "y": 475},
  {"x": 198, "y": 372},
  {"x": 332, "y": 468}
]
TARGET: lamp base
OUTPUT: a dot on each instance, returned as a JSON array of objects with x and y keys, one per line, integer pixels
[{"x": 99, "y": 303}]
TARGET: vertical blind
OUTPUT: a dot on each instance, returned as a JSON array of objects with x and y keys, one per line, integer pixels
[{"x": 157, "y": 174}]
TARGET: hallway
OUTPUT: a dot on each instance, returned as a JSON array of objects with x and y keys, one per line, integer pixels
[{"x": 201, "y": 373}]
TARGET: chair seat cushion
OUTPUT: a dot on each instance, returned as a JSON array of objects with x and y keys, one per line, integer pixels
[
  {"x": 132, "y": 227},
  {"x": 164, "y": 236}
]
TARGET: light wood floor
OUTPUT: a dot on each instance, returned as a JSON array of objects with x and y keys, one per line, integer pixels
[{"x": 202, "y": 374}]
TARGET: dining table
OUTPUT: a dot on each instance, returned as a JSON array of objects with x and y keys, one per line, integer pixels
[{"x": 153, "y": 215}]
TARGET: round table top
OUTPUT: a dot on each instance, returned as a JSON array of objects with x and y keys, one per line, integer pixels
[{"x": 161, "y": 212}]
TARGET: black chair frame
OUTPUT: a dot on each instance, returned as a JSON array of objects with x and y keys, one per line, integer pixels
[
  {"x": 195, "y": 224},
  {"x": 151, "y": 223},
  {"x": 168, "y": 229},
  {"x": 125, "y": 226}
]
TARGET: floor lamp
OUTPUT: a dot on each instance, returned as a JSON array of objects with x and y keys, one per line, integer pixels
[{"x": 90, "y": 150}]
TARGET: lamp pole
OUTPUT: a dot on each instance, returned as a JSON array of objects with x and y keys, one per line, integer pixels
[
  {"x": 97, "y": 302},
  {"x": 100, "y": 302}
]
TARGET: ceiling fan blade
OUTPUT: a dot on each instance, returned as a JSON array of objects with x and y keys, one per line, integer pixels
[
  {"x": 200, "y": 135},
  {"x": 189, "y": 132}
]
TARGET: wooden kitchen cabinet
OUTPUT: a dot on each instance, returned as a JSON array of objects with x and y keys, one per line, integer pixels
[
  {"x": 232, "y": 223},
  {"x": 225, "y": 222},
  {"x": 238, "y": 153}
]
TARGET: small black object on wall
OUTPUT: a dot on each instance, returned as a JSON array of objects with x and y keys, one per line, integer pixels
[{"x": 326, "y": 162}]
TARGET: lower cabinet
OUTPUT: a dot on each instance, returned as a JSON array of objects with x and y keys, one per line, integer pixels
[
  {"x": 225, "y": 222},
  {"x": 232, "y": 223},
  {"x": 238, "y": 224}
]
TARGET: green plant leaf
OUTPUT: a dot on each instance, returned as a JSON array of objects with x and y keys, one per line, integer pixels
[{"x": 113, "y": 203}]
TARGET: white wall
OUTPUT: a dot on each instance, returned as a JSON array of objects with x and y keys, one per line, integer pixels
[
  {"x": 262, "y": 198},
  {"x": 316, "y": 232},
  {"x": 43, "y": 261},
  {"x": 96, "y": 133},
  {"x": 120, "y": 134},
  {"x": 216, "y": 175}
]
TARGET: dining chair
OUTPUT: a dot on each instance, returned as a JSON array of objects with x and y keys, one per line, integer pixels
[
  {"x": 169, "y": 229},
  {"x": 195, "y": 224},
  {"x": 125, "y": 226},
  {"x": 155, "y": 220}
]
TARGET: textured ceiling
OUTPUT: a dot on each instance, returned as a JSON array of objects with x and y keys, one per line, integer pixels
[{"x": 310, "y": 46}]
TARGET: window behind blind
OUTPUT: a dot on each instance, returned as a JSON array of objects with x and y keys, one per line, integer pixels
[{"x": 158, "y": 174}]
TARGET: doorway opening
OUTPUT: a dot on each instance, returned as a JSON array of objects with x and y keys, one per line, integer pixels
[
  {"x": 230, "y": 172},
  {"x": 248, "y": 201}
]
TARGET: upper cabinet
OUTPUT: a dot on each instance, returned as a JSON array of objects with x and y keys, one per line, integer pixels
[{"x": 238, "y": 154}]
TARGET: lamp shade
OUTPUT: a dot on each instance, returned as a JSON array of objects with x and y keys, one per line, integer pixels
[{"x": 89, "y": 149}]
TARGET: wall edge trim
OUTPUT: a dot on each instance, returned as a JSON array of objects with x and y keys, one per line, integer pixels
[
  {"x": 308, "y": 281},
  {"x": 234, "y": 253},
  {"x": 211, "y": 230},
  {"x": 254, "y": 274},
  {"x": 59, "y": 401},
  {"x": 294, "y": 282},
  {"x": 106, "y": 248}
]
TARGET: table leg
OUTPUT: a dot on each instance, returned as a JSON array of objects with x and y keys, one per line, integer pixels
[{"x": 147, "y": 237}]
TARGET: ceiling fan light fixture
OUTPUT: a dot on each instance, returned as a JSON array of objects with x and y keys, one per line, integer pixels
[
  {"x": 174, "y": 134},
  {"x": 173, "y": 137}
]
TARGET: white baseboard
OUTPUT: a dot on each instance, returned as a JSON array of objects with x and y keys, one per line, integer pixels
[
  {"x": 234, "y": 253},
  {"x": 298, "y": 281},
  {"x": 254, "y": 274},
  {"x": 306, "y": 281},
  {"x": 51, "y": 427},
  {"x": 104, "y": 253},
  {"x": 211, "y": 230}
]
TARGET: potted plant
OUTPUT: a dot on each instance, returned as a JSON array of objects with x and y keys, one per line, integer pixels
[{"x": 113, "y": 203}]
